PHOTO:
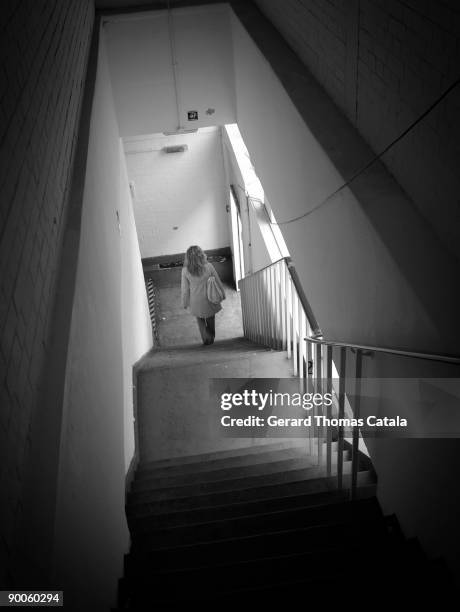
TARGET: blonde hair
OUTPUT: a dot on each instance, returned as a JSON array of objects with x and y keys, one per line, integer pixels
[{"x": 195, "y": 260}]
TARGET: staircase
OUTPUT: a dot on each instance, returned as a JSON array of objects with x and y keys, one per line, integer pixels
[
  {"x": 214, "y": 523},
  {"x": 259, "y": 525}
]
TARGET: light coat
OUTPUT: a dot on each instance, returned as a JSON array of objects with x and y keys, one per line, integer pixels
[{"x": 194, "y": 292}]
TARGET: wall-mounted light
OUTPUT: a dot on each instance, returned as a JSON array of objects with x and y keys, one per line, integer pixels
[
  {"x": 180, "y": 131},
  {"x": 175, "y": 149}
]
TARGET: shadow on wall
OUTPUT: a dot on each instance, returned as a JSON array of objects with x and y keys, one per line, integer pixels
[{"x": 369, "y": 244}]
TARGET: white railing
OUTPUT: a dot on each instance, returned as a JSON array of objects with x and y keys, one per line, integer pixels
[{"x": 276, "y": 314}]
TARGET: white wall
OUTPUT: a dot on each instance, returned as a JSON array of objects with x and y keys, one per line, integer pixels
[
  {"x": 183, "y": 190},
  {"x": 136, "y": 324},
  {"x": 141, "y": 70},
  {"x": 108, "y": 334},
  {"x": 384, "y": 64},
  {"x": 371, "y": 268}
]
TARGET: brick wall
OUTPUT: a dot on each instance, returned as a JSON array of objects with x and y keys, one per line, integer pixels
[
  {"x": 316, "y": 30},
  {"x": 383, "y": 62},
  {"x": 44, "y": 47}
]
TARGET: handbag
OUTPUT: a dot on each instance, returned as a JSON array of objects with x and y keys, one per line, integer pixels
[{"x": 214, "y": 292}]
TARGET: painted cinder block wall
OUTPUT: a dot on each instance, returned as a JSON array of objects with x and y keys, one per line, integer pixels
[
  {"x": 42, "y": 75},
  {"x": 110, "y": 331},
  {"x": 179, "y": 198},
  {"x": 66, "y": 416},
  {"x": 384, "y": 62}
]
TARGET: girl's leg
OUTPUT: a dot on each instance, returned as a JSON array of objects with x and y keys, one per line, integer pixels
[
  {"x": 203, "y": 330},
  {"x": 211, "y": 328}
]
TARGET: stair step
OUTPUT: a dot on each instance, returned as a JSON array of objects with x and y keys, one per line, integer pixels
[
  {"x": 306, "y": 472},
  {"x": 141, "y": 523},
  {"x": 295, "y": 461},
  {"x": 335, "y": 581},
  {"x": 181, "y": 462},
  {"x": 204, "y": 557},
  {"x": 220, "y": 529},
  {"x": 253, "y": 493},
  {"x": 242, "y": 527},
  {"x": 259, "y": 572},
  {"x": 235, "y": 461}
]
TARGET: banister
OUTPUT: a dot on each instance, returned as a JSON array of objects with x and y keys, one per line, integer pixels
[
  {"x": 380, "y": 349},
  {"x": 316, "y": 330},
  {"x": 302, "y": 297},
  {"x": 298, "y": 287},
  {"x": 273, "y": 263},
  {"x": 276, "y": 313}
]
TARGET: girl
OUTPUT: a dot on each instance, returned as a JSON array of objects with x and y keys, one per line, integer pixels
[{"x": 195, "y": 274}]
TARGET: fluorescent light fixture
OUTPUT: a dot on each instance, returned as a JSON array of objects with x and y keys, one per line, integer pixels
[
  {"x": 180, "y": 131},
  {"x": 175, "y": 149}
]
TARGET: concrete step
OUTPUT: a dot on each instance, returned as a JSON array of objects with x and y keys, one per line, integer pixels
[
  {"x": 329, "y": 573},
  {"x": 231, "y": 574},
  {"x": 186, "y": 354},
  {"x": 306, "y": 472},
  {"x": 142, "y": 523},
  {"x": 222, "y": 458},
  {"x": 250, "y": 494},
  {"x": 294, "y": 460},
  {"x": 263, "y": 523},
  {"x": 206, "y": 556},
  {"x": 253, "y": 455},
  {"x": 336, "y": 565}
]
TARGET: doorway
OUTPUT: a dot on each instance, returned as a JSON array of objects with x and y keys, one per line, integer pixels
[{"x": 237, "y": 236}]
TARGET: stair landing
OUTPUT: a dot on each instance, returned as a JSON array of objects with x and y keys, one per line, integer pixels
[
  {"x": 176, "y": 415},
  {"x": 176, "y": 326}
]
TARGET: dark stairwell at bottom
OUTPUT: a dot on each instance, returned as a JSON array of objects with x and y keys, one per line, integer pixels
[{"x": 256, "y": 521}]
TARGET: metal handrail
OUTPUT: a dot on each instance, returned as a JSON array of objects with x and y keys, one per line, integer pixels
[
  {"x": 361, "y": 350},
  {"x": 300, "y": 291},
  {"x": 264, "y": 268},
  {"x": 302, "y": 297},
  {"x": 317, "y": 330},
  {"x": 393, "y": 351},
  {"x": 277, "y": 313}
]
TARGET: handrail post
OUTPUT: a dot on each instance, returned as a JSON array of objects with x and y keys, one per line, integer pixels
[
  {"x": 302, "y": 345},
  {"x": 288, "y": 315},
  {"x": 342, "y": 372},
  {"x": 356, "y": 411},
  {"x": 256, "y": 307},
  {"x": 295, "y": 347},
  {"x": 272, "y": 308},
  {"x": 251, "y": 310},
  {"x": 319, "y": 389},
  {"x": 266, "y": 334},
  {"x": 279, "y": 334},
  {"x": 283, "y": 304},
  {"x": 307, "y": 387},
  {"x": 329, "y": 410}
]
